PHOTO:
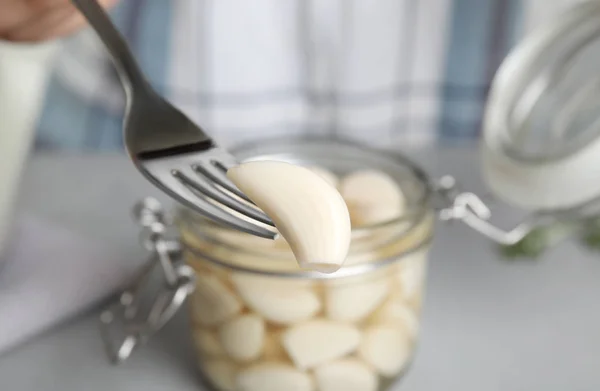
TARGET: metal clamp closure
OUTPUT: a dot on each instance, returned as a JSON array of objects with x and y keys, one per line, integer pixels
[
  {"x": 471, "y": 210},
  {"x": 156, "y": 293}
]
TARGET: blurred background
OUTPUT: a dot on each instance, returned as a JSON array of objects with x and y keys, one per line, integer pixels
[
  {"x": 409, "y": 75},
  {"x": 411, "y": 72}
]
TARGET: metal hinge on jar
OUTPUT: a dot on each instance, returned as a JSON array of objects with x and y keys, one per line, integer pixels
[
  {"x": 537, "y": 232},
  {"x": 147, "y": 305}
]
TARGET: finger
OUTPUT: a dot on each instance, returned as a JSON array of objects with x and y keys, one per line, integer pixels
[
  {"x": 37, "y": 28},
  {"x": 56, "y": 23},
  {"x": 15, "y": 12},
  {"x": 76, "y": 22}
]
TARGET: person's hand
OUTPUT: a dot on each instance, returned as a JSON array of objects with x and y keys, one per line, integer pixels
[{"x": 39, "y": 20}]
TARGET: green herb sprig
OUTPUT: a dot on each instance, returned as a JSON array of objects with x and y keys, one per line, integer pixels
[{"x": 534, "y": 244}]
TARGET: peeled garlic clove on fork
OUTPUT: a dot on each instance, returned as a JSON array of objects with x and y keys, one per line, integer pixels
[
  {"x": 308, "y": 212},
  {"x": 329, "y": 176}
]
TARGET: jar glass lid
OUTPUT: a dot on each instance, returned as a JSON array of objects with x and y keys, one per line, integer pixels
[{"x": 541, "y": 134}]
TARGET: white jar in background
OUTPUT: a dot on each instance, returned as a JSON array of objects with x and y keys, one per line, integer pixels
[{"x": 24, "y": 70}]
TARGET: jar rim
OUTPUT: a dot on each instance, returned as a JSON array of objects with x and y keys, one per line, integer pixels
[
  {"x": 344, "y": 272},
  {"x": 415, "y": 215}
]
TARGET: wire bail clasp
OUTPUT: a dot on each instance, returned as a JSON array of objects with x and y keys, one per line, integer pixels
[
  {"x": 157, "y": 292},
  {"x": 471, "y": 210}
]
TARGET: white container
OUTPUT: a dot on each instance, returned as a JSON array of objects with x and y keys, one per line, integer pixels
[{"x": 24, "y": 70}]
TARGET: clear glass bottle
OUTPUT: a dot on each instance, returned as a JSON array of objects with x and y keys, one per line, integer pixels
[{"x": 256, "y": 317}]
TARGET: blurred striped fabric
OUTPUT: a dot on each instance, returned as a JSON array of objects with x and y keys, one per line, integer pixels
[{"x": 387, "y": 72}]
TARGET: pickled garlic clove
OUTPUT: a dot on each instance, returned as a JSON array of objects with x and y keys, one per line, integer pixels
[
  {"x": 411, "y": 274},
  {"x": 242, "y": 337},
  {"x": 213, "y": 302},
  {"x": 397, "y": 312},
  {"x": 346, "y": 375},
  {"x": 207, "y": 343},
  {"x": 276, "y": 302},
  {"x": 221, "y": 373},
  {"x": 387, "y": 348},
  {"x": 372, "y": 197},
  {"x": 274, "y": 376},
  {"x": 355, "y": 300},
  {"x": 317, "y": 341}
]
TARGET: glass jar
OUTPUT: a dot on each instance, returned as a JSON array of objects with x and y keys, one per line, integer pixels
[{"x": 258, "y": 319}]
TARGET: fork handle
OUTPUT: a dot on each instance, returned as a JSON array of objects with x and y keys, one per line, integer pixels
[{"x": 133, "y": 80}]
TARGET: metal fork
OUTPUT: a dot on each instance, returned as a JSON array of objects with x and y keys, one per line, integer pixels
[{"x": 170, "y": 150}]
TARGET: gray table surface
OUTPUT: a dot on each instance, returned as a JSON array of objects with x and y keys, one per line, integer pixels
[{"x": 488, "y": 324}]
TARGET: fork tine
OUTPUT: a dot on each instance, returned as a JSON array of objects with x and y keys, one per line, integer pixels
[
  {"x": 191, "y": 178},
  {"x": 176, "y": 189},
  {"x": 217, "y": 173}
]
